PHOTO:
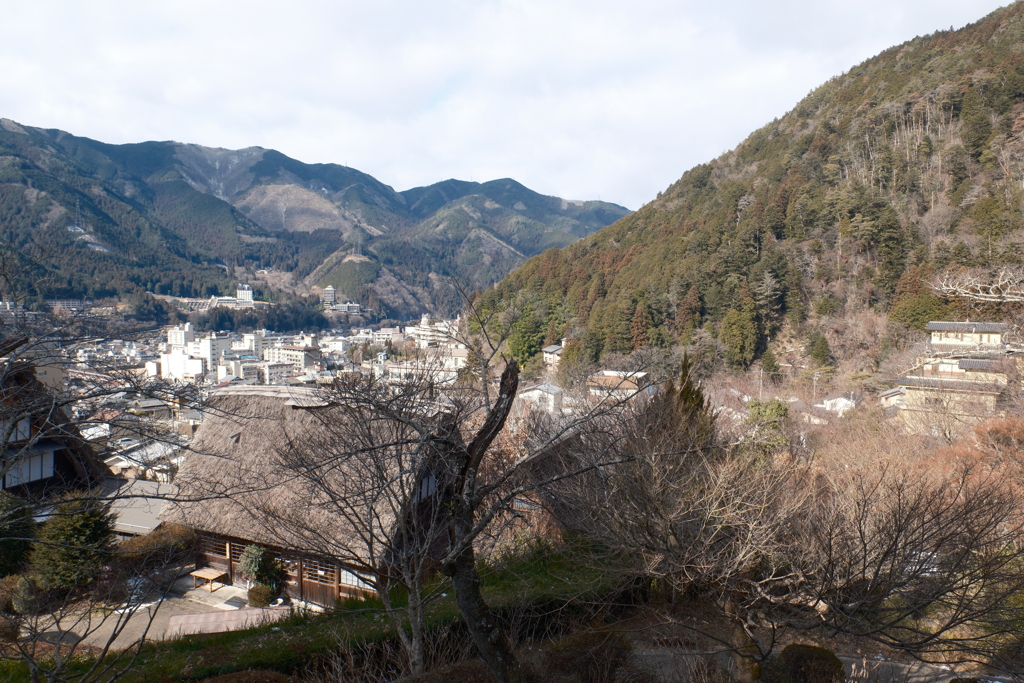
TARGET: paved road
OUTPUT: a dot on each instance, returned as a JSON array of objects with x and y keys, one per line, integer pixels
[{"x": 155, "y": 617}]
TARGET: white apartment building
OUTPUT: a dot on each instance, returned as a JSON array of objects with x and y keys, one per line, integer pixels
[
  {"x": 181, "y": 366},
  {"x": 428, "y": 334},
  {"x": 180, "y": 336},
  {"x": 244, "y": 295},
  {"x": 299, "y": 357},
  {"x": 236, "y": 368},
  {"x": 254, "y": 342},
  {"x": 209, "y": 348},
  {"x": 388, "y": 334},
  {"x": 272, "y": 373}
]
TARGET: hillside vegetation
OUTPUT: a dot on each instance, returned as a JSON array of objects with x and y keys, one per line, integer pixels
[
  {"x": 187, "y": 220},
  {"x": 909, "y": 163}
]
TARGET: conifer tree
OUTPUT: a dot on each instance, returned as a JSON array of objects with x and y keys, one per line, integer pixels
[
  {"x": 17, "y": 530},
  {"x": 819, "y": 350},
  {"x": 739, "y": 335},
  {"x": 770, "y": 366},
  {"x": 688, "y": 312},
  {"x": 73, "y": 544},
  {"x": 638, "y": 330}
]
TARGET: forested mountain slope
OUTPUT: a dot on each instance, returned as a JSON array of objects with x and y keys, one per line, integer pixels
[
  {"x": 910, "y": 162},
  {"x": 188, "y": 220}
]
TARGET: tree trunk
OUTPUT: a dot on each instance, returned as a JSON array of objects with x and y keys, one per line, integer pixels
[
  {"x": 744, "y": 649},
  {"x": 487, "y": 634}
]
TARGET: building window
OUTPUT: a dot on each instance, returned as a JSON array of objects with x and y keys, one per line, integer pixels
[
  {"x": 314, "y": 571},
  {"x": 353, "y": 580},
  {"x": 21, "y": 432},
  {"x": 213, "y": 546},
  {"x": 30, "y": 468}
]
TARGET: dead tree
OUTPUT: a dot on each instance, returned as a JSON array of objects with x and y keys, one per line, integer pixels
[
  {"x": 426, "y": 469},
  {"x": 1004, "y": 285}
]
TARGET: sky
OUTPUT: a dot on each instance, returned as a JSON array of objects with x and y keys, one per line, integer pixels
[{"x": 587, "y": 99}]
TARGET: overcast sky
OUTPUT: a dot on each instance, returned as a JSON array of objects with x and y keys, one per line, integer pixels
[{"x": 584, "y": 100}]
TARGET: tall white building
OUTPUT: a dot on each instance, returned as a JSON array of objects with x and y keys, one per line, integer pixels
[
  {"x": 209, "y": 348},
  {"x": 180, "y": 366},
  {"x": 180, "y": 336},
  {"x": 329, "y": 295}
]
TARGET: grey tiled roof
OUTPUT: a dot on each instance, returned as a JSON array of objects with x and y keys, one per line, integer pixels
[{"x": 938, "y": 326}]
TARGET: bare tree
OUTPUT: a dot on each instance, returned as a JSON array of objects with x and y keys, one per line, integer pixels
[
  {"x": 46, "y": 401},
  {"x": 923, "y": 563},
  {"x": 426, "y": 471},
  {"x": 1003, "y": 285}
]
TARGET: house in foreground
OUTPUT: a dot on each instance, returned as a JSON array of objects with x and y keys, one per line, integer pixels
[
  {"x": 42, "y": 452},
  {"x": 245, "y": 490}
]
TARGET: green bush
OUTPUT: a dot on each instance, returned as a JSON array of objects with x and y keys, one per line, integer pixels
[
  {"x": 258, "y": 564},
  {"x": 25, "y": 599},
  {"x": 812, "y": 664},
  {"x": 260, "y": 595},
  {"x": 17, "y": 529},
  {"x": 587, "y": 657},
  {"x": 8, "y": 585},
  {"x": 74, "y": 544}
]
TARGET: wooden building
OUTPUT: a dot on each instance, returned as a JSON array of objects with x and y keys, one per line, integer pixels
[
  {"x": 42, "y": 452},
  {"x": 240, "y": 485}
]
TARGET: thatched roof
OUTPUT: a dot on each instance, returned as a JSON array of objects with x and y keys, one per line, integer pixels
[{"x": 239, "y": 480}]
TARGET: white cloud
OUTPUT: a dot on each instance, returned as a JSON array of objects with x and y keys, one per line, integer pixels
[{"x": 580, "y": 99}]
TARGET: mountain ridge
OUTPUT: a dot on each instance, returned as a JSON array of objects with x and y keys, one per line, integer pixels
[
  {"x": 837, "y": 211},
  {"x": 197, "y": 210}
]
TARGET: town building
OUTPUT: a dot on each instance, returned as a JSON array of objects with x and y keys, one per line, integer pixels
[
  {"x": 951, "y": 337},
  {"x": 962, "y": 380},
  {"x": 546, "y": 397}
]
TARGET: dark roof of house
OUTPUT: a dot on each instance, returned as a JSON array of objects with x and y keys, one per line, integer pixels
[
  {"x": 980, "y": 364},
  {"x": 952, "y": 385},
  {"x": 939, "y": 326}
]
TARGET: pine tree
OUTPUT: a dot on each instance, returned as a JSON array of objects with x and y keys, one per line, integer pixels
[
  {"x": 74, "y": 544},
  {"x": 638, "y": 330},
  {"x": 819, "y": 350},
  {"x": 976, "y": 124},
  {"x": 770, "y": 366},
  {"x": 551, "y": 336},
  {"x": 739, "y": 335},
  {"x": 17, "y": 529},
  {"x": 688, "y": 312}
]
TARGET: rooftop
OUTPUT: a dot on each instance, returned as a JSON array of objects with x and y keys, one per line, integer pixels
[{"x": 941, "y": 326}]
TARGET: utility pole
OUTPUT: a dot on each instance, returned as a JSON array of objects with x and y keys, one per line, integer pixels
[{"x": 814, "y": 394}]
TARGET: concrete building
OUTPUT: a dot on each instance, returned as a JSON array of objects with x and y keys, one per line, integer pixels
[
  {"x": 329, "y": 295},
  {"x": 552, "y": 354},
  {"x": 429, "y": 334},
  {"x": 180, "y": 336},
  {"x": 177, "y": 365},
  {"x": 546, "y": 397},
  {"x": 299, "y": 357},
  {"x": 210, "y": 348},
  {"x": 243, "y": 293},
  {"x": 274, "y": 373}
]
